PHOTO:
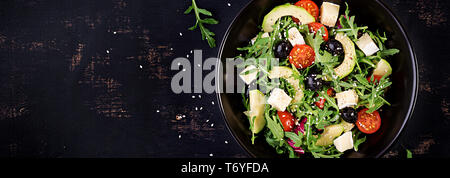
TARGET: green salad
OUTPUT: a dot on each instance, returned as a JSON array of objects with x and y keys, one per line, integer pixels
[{"x": 315, "y": 81}]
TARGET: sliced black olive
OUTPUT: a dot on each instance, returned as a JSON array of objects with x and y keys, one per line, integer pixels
[
  {"x": 282, "y": 49},
  {"x": 334, "y": 47},
  {"x": 349, "y": 114},
  {"x": 313, "y": 82}
]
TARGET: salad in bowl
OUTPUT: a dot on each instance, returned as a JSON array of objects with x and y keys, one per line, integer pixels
[{"x": 315, "y": 81}]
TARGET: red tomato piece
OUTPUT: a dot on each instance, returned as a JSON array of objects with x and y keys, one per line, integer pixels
[
  {"x": 287, "y": 120},
  {"x": 376, "y": 78},
  {"x": 331, "y": 92},
  {"x": 368, "y": 122},
  {"x": 309, "y": 6},
  {"x": 316, "y": 27},
  {"x": 302, "y": 56},
  {"x": 321, "y": 103}
]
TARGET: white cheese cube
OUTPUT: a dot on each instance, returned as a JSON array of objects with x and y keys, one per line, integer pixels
[
  {"x": 279, "y": 99},
  {"x": 250, "y": 76},
  {"x": 295, "y": 37},
  {"x": 264, "y": 35},
  {"x": 344, "y": 142},
  {"x": 366, "y": 44},
  {"x": 347, "y": 98},
  {"x": 329, "y": 13}
]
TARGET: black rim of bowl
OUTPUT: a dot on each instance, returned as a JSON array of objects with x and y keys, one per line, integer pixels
[{"x": 414, "y": 70}]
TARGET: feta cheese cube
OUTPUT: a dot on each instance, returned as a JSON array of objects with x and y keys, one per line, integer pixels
[
  {"x": 329, "y": 13},
  {"x": 366, "y": 44},
  {"x": 344, "y": 142},
  {"x": 248, "y": 78},
  {"x": 347, "y": 98},
  {"x": 295, "y": 37},
  {"x": 279, "y": 99}
]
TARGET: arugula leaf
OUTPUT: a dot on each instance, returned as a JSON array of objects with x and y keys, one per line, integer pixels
[
  {"x": 387, "y": 52},
  {"x": 297, "y": 139},
  {"x": 357, "y": 140},
  {"x": 408, "y": 154},
  {"x": 206, "y": 33},
  {"x": 348, "y": 24},
  {"x": 273, "y": 125}
]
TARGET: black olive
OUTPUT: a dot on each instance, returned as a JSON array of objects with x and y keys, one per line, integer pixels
[
  {"x": 313, "y": 82},
  {"x": 334, "y": 47},
  {"x": 282, "y": 49},
  {"x": 349, "y": 115}
]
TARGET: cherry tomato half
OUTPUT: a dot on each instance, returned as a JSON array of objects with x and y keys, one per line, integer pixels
[
  {"x": 316, "y": 27},
  {"x": 368, "y": 122},
  {"x": 309, "y": 6},
  {"x": 287, "y": 119},
  {"x": 302, "y": 56}
]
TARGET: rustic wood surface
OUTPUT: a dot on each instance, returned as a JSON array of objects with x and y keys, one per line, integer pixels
[{"x": 91, "y": 78}]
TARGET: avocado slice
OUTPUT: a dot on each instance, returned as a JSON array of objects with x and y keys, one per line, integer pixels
[
  {"x": 286, "y": 73},
  {"x": 257, "y": 106},
  {"x": 286, "y": 10},
  {"x": 329, "y": 134},
  {"x": 347, "y": 126},
  {"x": 346, "y": 67},
  {"x": 383, "y": 68}
]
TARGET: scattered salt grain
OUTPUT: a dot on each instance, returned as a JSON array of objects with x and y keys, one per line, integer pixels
[
  {"x": 181, "y": 34},
  {"x": 140, "y": 66},
  {"x": 229, "y": 5},
  {"x": 211, "y": 154},
  {"x": 193, "y": 96},
  {"x": 157, "y": 110},
  {"x": 212, "y": 125},
  {"x": 212, "y": 102},
  {"x": 226, "y": 142}
]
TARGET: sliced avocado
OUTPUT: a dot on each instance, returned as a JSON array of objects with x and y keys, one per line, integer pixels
[
  {"x": 346, "y": 67},
  {"x": 383, "y": 68},
  {"x": 329, "y": 134},
  {"x": 286, "y": 73},
  {"x": 286, "y": 10},
  {"x": 347, "y": 126},
  {"x": 257, "y": 106}
]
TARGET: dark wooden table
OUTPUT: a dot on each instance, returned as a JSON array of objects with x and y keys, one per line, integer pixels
[{"x": 91, "y": 78}]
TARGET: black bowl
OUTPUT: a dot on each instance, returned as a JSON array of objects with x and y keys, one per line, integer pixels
[{"x": 373, "y": 13}]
